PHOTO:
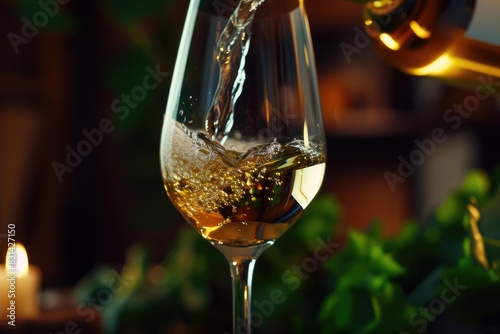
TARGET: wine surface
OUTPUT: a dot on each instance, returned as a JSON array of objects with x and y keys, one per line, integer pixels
[{"x": 240, "y": 198}]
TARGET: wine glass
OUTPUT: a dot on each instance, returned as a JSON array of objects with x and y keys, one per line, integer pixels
[{"x": 243, "y": 145}]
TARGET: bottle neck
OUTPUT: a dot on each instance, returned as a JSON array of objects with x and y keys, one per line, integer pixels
[{"x": 386, "y": 16}]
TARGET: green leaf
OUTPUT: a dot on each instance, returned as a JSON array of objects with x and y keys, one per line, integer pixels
[
  {"x": 358, "y": 311},
  {"x": 359, "y": 245},
  {"x": 490, "y": 217},
  {"x": 476, "y": 184},
  {"x": 406, "y": 237},
  {"x": 467, "y": 260},
  {"x": 363, "y": 263},
  {"x": 452, "y": 210},
  {"x": 337, "y": 311},
  {"x": 392, "y": 311},
  {"x": 364, "y": 312},
  {"x": 375, "y": 229},
  {"x": 385, "y": 263},
  {"x": 320, "y": 220}
]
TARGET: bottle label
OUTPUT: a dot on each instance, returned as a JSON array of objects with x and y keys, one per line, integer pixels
[{"x": 485, "y": 24}]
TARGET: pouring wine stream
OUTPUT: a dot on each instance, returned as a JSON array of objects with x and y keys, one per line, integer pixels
[{"x": 232, "y": 48}]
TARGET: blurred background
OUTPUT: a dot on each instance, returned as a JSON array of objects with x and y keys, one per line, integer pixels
[{"x": 69, "y": 78}]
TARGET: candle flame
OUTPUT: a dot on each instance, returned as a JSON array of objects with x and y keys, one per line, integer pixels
[{"x": 20, "y": 256}]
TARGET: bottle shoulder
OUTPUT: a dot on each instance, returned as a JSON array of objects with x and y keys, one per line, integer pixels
[
  {"x": 412, "y": 23},
  {"x": 432, "y": 38}
]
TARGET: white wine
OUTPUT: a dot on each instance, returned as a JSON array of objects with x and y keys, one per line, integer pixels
[
  {"x": 232, "y": 48},
  {"x": 240, "y": 198},
  {"x": 246, "y": 195},
  {"x": 455, "y": 40}
]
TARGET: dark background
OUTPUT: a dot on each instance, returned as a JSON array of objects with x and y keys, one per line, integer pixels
[{"x": 66, "y": 77}]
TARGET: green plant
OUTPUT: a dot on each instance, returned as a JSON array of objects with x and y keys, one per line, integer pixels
[
  {"x": 403, "y": 284},
  {"x": 371, "y": 284}
]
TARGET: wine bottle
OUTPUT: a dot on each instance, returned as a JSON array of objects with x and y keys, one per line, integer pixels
[{"x": 455, "y": 40}]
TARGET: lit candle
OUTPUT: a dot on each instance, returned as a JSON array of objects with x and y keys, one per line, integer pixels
[{"x": 19, "y": 287}]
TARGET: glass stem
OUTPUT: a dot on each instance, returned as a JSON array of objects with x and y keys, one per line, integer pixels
[
  {"x": 241, "y": 262},
  {"x": 241, "y": 276}
]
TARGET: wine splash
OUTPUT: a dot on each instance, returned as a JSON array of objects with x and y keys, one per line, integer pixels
[
  {"x": 241, "y": 198},
  {"x": 232, "y": 48}
]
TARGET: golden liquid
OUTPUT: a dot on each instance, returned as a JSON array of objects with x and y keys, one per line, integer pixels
[
  {"x": 232, "y": 46},
  {"x": 240, "y": 198},
  {"x": 424, "y": 43}
]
